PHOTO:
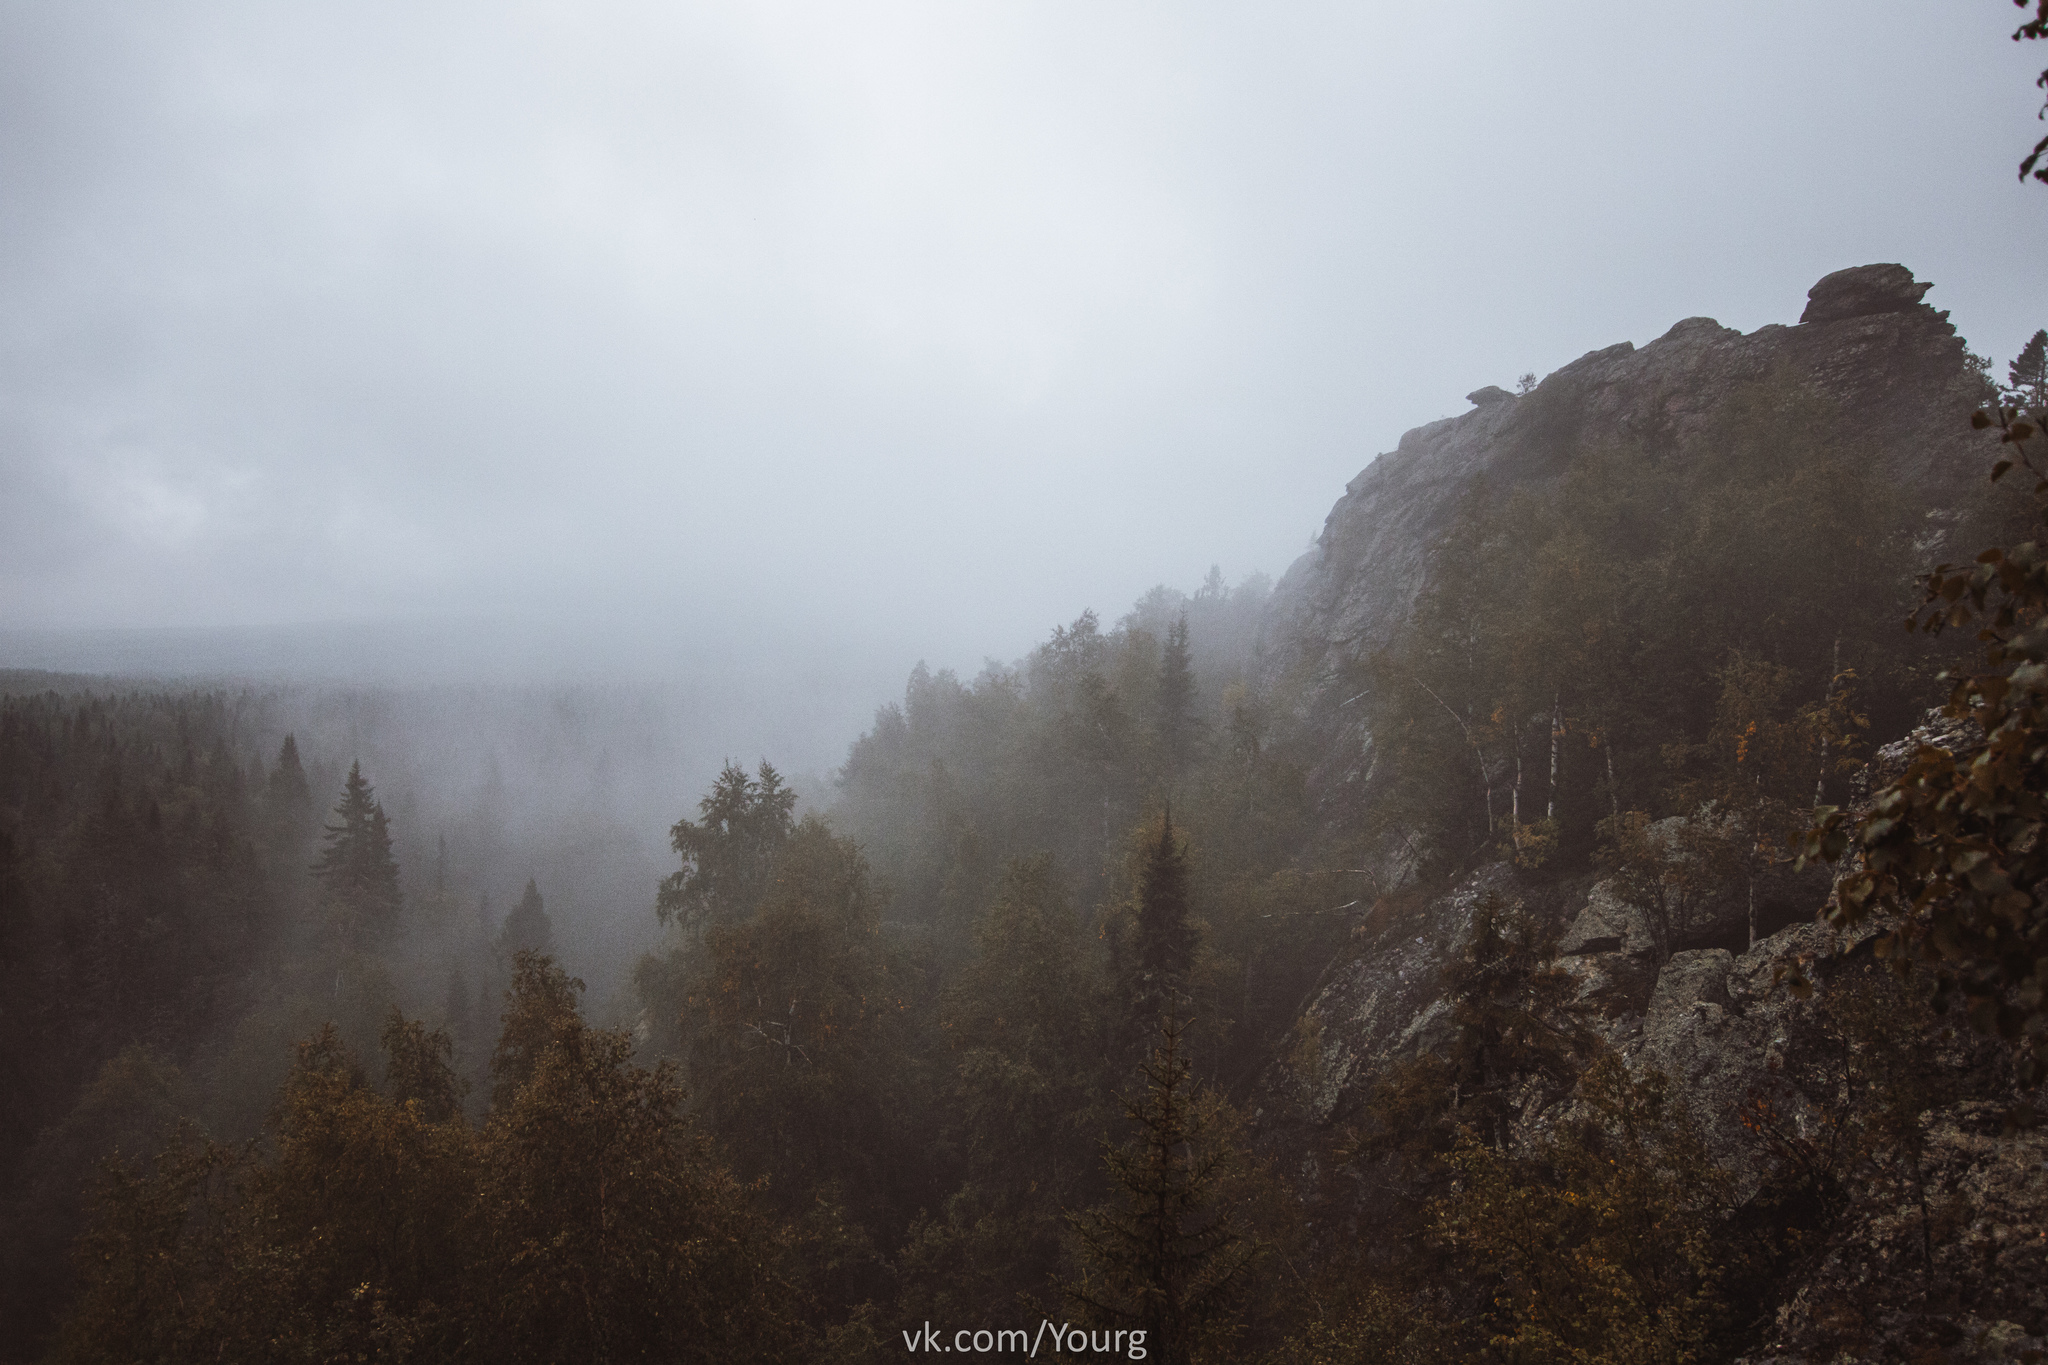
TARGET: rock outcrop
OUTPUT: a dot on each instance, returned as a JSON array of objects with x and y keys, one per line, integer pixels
[
  {"x": 1863, "y": 291},
  {"x": 1892, "y": 366},
  {"x": 1945, "y": 1260},
  {"x": 1960, "y": 1278}
]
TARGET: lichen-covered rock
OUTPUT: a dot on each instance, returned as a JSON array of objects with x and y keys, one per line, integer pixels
[
  {"x": 1384, "y": 1003},
  {"x": 1693, "y": 982},
  {"x": 1609, "y": 923},
  {"x": 1936, "y": 731},
  {"x": 1962, "y": 1276},
  {"x": 1713, "y": 1043},
  {"x": 1612, "y": 947}
]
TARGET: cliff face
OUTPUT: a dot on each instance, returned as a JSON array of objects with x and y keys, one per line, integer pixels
[
  {"x": 1951, "y": 1260},
  {"x": 1943, "y": 1257},
  {"x": 1893, "y": 368},
  {"x": 1899, "y": 377}
]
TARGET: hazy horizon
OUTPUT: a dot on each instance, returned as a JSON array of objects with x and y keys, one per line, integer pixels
[{"x": 546, "y": 344}]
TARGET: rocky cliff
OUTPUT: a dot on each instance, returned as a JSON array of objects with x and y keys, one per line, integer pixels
[
  {"x": 1943, "y": 1256},
  {"x": 1892, "y": 367},
  {"x": 1947, "y": 1260}
]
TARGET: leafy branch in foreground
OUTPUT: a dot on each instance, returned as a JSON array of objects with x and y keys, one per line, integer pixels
[
  {"x": 2036, "y": 27},
  {"x": 1957, "y": 845}
]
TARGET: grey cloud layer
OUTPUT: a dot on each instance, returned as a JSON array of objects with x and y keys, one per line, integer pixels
[{"x": 929, "y": 320}]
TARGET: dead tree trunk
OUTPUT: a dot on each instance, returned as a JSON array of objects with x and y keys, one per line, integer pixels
[
  {"x": 1827, "y": 698},
  {"x": 1478, "y": 754},
  {"x": 1518, "y": 789},
  {"x": 1613, "y": 790},
  {"x": 1556, "y": 742}
]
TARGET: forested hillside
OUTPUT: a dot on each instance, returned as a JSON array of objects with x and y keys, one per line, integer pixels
[
  {"x": 179, "y": 909},
  {"x": 1407, "y": 961}
]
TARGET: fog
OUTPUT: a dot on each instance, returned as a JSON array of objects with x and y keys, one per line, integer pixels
[
  {"x": 491, "y": 775},
  {"x": 546, "y": 406},
  {"x": 802, "y": 340}
]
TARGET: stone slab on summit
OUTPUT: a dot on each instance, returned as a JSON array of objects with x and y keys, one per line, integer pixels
[{"x": 1863, "y": 291}]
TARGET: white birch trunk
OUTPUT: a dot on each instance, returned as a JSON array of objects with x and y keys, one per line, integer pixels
[
  {"x": 1613, "y": 791},
  {"x": 1516, "y": 809},
  {"x": 1556, "y": 740},
  {"x": 1820, "y": 781}
]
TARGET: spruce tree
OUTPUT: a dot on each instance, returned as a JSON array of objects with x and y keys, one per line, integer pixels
[
  {"x": 356, "y": 867},
  {"x": 288, "y": 791},
  {"x": 1164, "y": 950},
  {"x": 288, "y": 802},
  {"x": 1176, "y": 698},
  {"x": 1167, "y": 1256},
  {"x": 540, "y": 1009},
  {"x": 528, "y": 926},
  {"x": 727, "y": 851},
  {"x": 2028, "y": 373}
]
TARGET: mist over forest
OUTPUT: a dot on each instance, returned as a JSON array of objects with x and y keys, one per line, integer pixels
[
  {"x": 572, "y": 781},
  {"x": 624, "y": 734}
]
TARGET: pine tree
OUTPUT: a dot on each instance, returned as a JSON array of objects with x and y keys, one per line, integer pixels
[
  {"x": 607, "y": 1230},
  {"x": 727, "y": 852},
  {"x": 1167, "y": 1257},
  {"x": 1176, "y": 697},
  {"x": 288, "y": 800},
  {"x": 356, "y": 867},
  {"x": 458, "y": 1006},
  {"x": 1028, "y": 1084},
  {"x": 2028, "y": 373},
  {"x": 528, "y": 926},
  {"x": 1164, "y": 947},
  {"x": 798, "y": 1029},
  {"x": 288, "y": 791}
]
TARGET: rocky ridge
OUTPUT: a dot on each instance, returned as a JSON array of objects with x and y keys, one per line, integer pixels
[
  {"x": 1945, "y": 1260},
  {"x": 1893, "y": 367}
]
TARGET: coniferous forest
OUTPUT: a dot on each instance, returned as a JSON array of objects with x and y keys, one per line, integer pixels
[
  {"x": 1587, "y": 910},
  {"x": 1011, "y": 1031}
]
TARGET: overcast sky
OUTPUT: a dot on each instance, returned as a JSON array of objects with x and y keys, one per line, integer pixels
[{"x": 925, "y": 324}]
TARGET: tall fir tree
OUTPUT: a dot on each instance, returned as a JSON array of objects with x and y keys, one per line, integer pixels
[
  {"x": 356, "y": 867},
  {"x": 1166, "y": 1259},
  {"x": 728, "y": 850},
  {"x": 528, "y": 926},
  {"x": 1176, "y": 698},
  {"x": 1166, "y": 937},
  {"x": 1154, "y": 953},
  {"x": 288, "y": 789},
  {"x": 2028, "y": 373},
  {"x": 288, "y": 802}
]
